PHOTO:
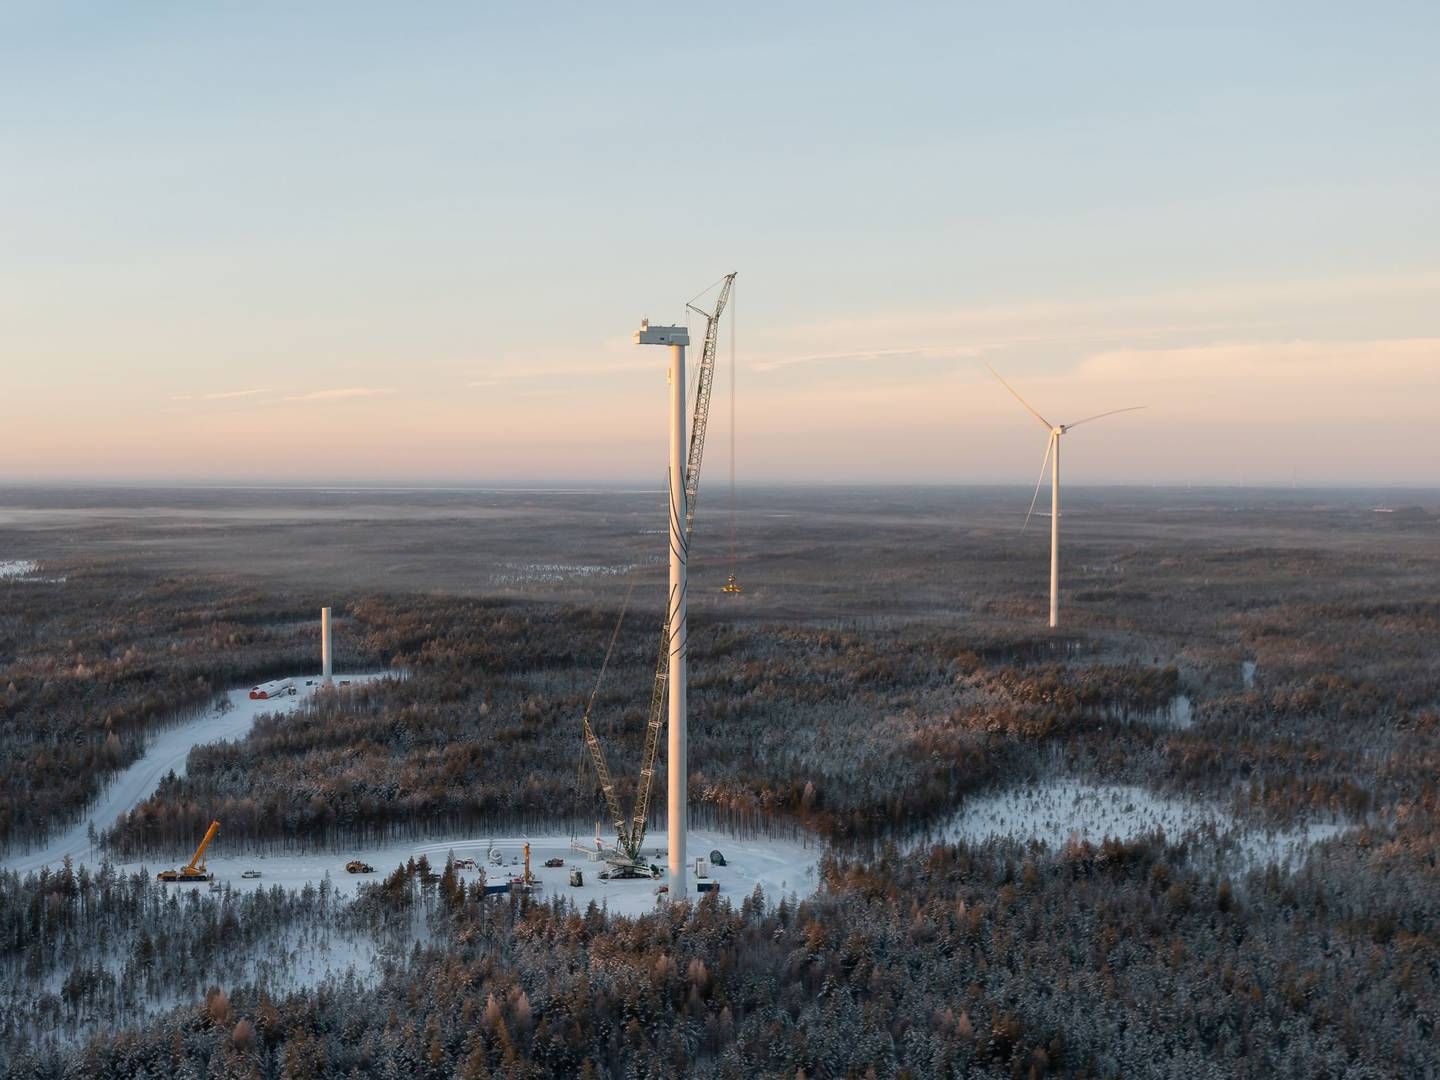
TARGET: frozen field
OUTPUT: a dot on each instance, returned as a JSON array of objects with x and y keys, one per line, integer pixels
[
  {"x": 168, "y": 750},
  {"x": 1055, "y": 812}
]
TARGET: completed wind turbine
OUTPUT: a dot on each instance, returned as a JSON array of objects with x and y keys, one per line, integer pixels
[{"x": 1052, "y": 454}]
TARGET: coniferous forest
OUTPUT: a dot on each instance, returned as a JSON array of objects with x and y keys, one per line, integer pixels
[{"x": 887, "y": 668}]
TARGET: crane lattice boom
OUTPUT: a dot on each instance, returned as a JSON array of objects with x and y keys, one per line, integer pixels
[{"x": 631, "y": 834}]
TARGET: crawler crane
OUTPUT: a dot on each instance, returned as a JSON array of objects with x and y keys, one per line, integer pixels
[
  {"x": 195, "y": 870},
  {"x": 625, "y": 859}
]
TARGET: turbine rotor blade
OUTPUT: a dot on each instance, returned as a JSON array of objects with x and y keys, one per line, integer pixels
[
  {"x": 1098, "y": 416},
  {"x": 1021, "y": 400},
  {"x": 1049, "y": 445}
]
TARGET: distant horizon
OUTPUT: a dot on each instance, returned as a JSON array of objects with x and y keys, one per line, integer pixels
[{"x": 637, "y": 488}]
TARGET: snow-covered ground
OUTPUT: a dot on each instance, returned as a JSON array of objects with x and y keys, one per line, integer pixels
[
  {"x": 554, "y": 573},
  {"x": 778, "y": 866},
  {"x": 1181, "y": 711},
  {"x": 168, "y": 749},
  {"x": 1247, "y": 674},
  {"x": 1178, "y": 712},
  {"x": 25, "y": 572},
  {"x": 1056, "y": 811}
]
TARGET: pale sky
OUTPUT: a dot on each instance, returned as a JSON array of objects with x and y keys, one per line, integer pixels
[{"x": 266, "y": 242}]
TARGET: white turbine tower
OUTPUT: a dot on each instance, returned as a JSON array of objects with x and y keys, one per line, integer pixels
[{"x": 1052, "y": 458}]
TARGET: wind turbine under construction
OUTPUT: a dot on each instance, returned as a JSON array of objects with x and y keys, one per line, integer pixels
[{"x": 1052, "y": 458}]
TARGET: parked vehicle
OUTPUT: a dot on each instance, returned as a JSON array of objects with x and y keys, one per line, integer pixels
[{"x": 251, "y": 874}]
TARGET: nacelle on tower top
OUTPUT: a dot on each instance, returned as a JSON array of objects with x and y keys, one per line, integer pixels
[{"x": 661, "y": 335}]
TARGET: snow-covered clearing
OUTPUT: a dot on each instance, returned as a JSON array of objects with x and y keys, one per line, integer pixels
[
  {"x": 168, "y": 749},
  {"x": 1060, "y": 810},
  {"x": 778, "y": 866}
]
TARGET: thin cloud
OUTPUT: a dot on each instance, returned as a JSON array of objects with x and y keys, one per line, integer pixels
[
  {"x": 838, "y": 359},
  {"x": 1167, "y": 304},
  {"x": 343, "y": 392},
  {"x": 565, "y": 371},
  {"x": 222, "y": 395}
]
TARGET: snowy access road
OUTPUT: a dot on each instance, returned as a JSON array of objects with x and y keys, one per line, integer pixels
[{"x": 167, "y": 752}]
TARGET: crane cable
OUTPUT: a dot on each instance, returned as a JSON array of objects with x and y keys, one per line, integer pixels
[
  {"x": 614, "y": 637},
  {"x": 581, "y": 772},
  {"x": 734, "y": 557}
]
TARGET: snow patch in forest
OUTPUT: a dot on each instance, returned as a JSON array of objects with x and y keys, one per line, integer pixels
[
  {"x": 554, "y": 573},
  {"x": 1178, "y": 713},
  {"x": 131, "y": 975},
  {"x": 231, "y": 717},
  {"x": 1247, "y": 674},
  {"x": 1056, "y": 812},
  {"x": 25, "y": 571}
]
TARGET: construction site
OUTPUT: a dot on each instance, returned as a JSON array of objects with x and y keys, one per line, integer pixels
[{"x": 619, "y": 864}]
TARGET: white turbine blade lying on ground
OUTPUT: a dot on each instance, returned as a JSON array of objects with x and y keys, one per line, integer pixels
[
  {"x": 1020, "y": 399},
  {"x": 1099, "y": 416},
  {"x": 1049, "y": 445}
]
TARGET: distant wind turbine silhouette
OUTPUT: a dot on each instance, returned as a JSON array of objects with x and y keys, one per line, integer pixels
[{"x": 1052, "y": 453}]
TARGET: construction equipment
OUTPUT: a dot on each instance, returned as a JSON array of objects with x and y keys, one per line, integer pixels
[
  {"x": 732, "y": 585},
  {"x": 355, "y": 866},
  {"x": 625, "y": 859},
  {"x": 525, "y": 881},
  {"x": 195, "y": 869}
]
